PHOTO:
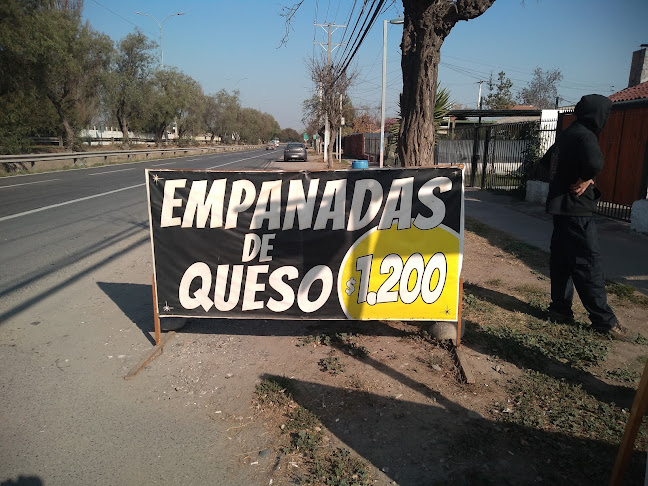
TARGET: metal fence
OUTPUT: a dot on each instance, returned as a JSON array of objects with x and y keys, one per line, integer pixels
[
  {"x": 501, "y": 157},
  {"x": 495, "y": 156}
]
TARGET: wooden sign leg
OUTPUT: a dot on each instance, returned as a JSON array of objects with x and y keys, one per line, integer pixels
[
  {"x": 459, "y": 311},
  {"x": 156, "y": 315},
  {"x": 632, "y": 428}
]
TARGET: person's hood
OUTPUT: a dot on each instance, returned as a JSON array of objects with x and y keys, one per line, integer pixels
[{"x": 593, "y": 111}]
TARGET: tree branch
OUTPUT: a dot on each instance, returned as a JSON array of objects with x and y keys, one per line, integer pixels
[{"x": 288, "y": 12}]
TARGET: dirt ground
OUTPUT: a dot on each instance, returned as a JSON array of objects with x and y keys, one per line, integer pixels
[{"x": 395, "y": 397}]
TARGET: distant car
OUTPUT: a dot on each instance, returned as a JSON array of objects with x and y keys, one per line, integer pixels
[
  {"x": 271, "y": 145},
  {"x": 295, "y": 151}
]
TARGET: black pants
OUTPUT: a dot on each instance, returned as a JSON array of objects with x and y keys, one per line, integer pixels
[{"x": 576, "y": 261}]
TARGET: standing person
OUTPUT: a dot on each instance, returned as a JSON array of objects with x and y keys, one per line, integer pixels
[{"x": 573, "y": 162}]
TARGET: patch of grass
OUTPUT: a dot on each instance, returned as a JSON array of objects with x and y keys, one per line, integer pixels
[
  {"x": 356, "y": 382},
  {"x": 474, "y": 303},
  {"x": 494, "y": 282},
  {"x": 315, "y": 339},
  {"x": 342, "y": 469},
  {"x": 332, "y": 364},
  {"x": 542, "y": 341},
  {"x": 347, "y": 342},
  {"x": 626, "y": 293},
  {"x": 535, "y": 296},
  {"x": 641, "y": 339},
  {"x": 305, "y": 432},
  {"x": 546, "y": 403},
  {"x": 273, "y": 392},
  {"x": 342, "y": 340},
  {"x": 623, "y": 374},
  {"x": 336, "y": 468}
]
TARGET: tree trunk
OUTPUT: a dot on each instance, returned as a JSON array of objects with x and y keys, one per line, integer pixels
[
  {"x": 123, "y": 126},
  {"x": 427, "y": 24},
  {"x": 70, "y": 139},
  {"x": 329, "y": 162}
]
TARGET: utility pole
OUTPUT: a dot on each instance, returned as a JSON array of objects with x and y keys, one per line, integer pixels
[
  {"x": 479, "y": 99},
  {"x": 327, "y": 128},
  {"x": 340, "y": 133}
]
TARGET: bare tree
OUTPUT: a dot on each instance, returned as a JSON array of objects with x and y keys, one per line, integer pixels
[{"x": 331, "y": 84}]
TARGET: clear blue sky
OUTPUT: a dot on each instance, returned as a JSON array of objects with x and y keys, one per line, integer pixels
[{"x": 235, "y": 45}]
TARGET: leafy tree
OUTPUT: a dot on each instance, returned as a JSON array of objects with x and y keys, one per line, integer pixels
[
  {"x": 542, "y": 90},
  {"x": 128, "y": 82},
  {"x": 366, "y": 123},
  {"x": 190, "y": 119},
  {"x": 45, "y": 48},
  {"x": 499, "y": 96},
  {"x": 169, "y": 100},
  {"x": 221, "y": 114},
  {"x": 290, "y": 135},
  {"x": 255, "y": 126}
]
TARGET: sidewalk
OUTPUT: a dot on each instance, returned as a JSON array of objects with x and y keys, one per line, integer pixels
[{"x": 625, "y": 252}]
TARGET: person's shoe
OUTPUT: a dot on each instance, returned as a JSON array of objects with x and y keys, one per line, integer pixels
[
  {"x": 620, "y": 333},
  {"x": 559, "y": 317}
]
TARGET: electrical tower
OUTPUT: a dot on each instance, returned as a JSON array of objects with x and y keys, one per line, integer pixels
[{"x": 330, "y": 47}]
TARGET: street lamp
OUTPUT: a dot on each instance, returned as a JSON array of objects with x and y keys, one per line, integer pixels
[
  {"x": 398, "y": 20},
  {"x": 160, "y": 26}
]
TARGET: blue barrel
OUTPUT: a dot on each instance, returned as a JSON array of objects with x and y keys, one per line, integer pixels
[{"x": 360, "y": 164}]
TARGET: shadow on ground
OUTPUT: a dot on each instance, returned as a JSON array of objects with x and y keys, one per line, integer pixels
[{"x": 444, "y": 443}]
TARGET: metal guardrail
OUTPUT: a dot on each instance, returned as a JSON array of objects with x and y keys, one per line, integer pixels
[{"x": 76, "y": 157}]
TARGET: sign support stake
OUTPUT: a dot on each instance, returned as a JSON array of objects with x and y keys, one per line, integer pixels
[
  {"x": 459, "y": 306},
  {"x": 156, "y": 314},
  {"x": 637, "y": 412},
  {"x": 159, "y": 343}
]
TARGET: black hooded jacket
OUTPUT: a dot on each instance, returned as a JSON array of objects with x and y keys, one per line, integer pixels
[{"x": 576, "y": 155}]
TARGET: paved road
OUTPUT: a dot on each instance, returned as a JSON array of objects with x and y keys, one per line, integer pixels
[
  {"x": 75, "y": 316},
  {"x": 52, "y": 221}
]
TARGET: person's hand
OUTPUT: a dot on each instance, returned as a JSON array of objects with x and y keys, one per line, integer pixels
[{"x": 579, "y": 187}]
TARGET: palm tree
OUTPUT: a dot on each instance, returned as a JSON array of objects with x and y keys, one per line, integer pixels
[{"x": 442, "y": 105}]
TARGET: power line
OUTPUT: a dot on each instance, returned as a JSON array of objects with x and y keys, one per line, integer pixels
[{"x": 124, "y": 18}]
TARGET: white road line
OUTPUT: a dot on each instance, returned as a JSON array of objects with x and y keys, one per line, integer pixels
[
  {"x": 37, "y": 210},
  {"x": 111, "y": 171},
  {"x": 27, "y": 183},
  {"x": 44, "y": 208},
  {"x": 167, "y": 163},
  {"x": 234, "y": 162}
]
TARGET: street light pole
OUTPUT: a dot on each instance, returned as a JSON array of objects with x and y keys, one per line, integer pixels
[
  {"x": 160, "y": 26},
  {"x": 398, "y": 20}
]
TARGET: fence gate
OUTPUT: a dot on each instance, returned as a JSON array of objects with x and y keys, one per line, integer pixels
[{"x": 494, "y": 155}]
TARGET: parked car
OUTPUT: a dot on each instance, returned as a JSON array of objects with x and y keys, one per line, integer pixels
[
  {"x": 271, "y": 145},
  {"x": 295, "y": 151}
]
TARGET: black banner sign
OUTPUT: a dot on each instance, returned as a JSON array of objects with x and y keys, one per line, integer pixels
[{"x": 364, "y": 244}]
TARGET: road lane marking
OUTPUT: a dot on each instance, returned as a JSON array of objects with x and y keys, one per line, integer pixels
[
  {"x": 27, "y": 183},
  {"x": 167, "y": 163},
  {"x": 44, "y": 208},
  {"x": 112, "y": 171},
  {"x": 234, "y": 162}
]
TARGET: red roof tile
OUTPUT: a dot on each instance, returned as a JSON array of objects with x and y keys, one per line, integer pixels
[{"x": 637, "y": 92}]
